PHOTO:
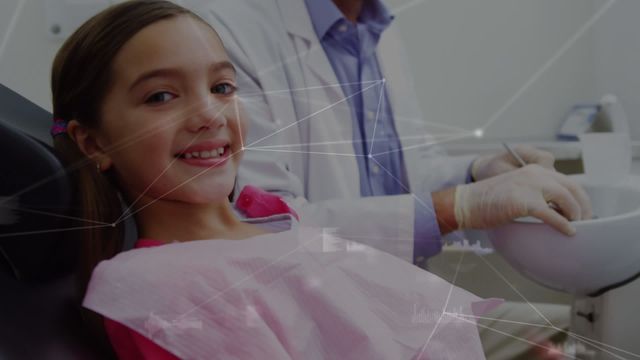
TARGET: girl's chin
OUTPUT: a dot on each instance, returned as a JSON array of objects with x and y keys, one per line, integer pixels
[
  {"x": 199, "y": 198},
  {"x": 214, "y": 194},
  {"x": 199, "y": 190}
]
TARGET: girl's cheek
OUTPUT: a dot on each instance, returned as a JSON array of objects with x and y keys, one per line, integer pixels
[
  {"x": 243, "y": 127},
  {"x": 241, "y": 121}
]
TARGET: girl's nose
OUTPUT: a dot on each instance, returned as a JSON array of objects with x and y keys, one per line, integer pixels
[{"x": 208, "y": 114}]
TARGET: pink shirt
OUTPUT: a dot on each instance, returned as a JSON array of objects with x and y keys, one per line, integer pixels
[{"x": 131, "y": 345}]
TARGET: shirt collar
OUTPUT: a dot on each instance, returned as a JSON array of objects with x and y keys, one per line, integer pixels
[
  {"x": 324, "y": 14},
  {"x": 376, "y": 15}
]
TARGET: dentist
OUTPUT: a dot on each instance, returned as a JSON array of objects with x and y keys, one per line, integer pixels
[{"x": 336, "y": 129}]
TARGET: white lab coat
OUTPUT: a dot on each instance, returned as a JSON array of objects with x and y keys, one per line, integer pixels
[{"x": 274, "y": 47}]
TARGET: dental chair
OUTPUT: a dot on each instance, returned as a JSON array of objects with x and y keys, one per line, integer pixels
[{"x": 39, "y": 315}]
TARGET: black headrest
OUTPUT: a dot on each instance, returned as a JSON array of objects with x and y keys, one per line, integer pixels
[
  {"x": 39, "y": 301},
  {"x": 35, "y": 199}
]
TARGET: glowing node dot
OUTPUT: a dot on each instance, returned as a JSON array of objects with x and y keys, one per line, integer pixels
[{"x": 478, "y": 133}]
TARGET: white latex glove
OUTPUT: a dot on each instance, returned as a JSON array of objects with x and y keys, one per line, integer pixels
[
  {"x": 488, "y": 166},
  {"x": 526, "y": 191}
]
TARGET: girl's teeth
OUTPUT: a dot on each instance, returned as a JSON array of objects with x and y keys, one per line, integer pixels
[{"x": 205, "y": 154}]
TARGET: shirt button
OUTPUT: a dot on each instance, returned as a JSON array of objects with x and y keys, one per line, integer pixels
[
  {"x": 371, "y": 115},
  {"x": 375, "y": 169},
  {"x": 342, "y": 28}
]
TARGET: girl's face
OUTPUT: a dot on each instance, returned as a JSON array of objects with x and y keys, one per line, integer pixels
[{"x": 171, "y": 115}]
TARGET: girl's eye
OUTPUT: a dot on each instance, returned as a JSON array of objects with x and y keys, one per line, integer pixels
[
  {"x": 224, "y": 89},
  {"x": 159, "y": 97}
]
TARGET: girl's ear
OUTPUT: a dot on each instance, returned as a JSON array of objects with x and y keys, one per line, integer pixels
[{"x": 88, "y": 144}]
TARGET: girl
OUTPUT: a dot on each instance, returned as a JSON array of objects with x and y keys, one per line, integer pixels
[
  {"x": 145, "y": 111},
  {"x": 147, "y": 83}
]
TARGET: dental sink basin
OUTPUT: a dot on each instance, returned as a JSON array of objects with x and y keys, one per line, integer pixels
[{"x": 604, "y": 253}]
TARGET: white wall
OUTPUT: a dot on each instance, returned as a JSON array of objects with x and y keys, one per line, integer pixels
[
  {"x": 469, "y": 58},
  {"x": 25, "y": 63},
  {"x": 617, "y": 57}
]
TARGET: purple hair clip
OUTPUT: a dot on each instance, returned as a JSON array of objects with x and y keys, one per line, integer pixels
[{"x": 59, "y": 127}]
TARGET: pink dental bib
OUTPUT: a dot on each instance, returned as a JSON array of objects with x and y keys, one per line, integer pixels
[{"x": 300, "y": 294}]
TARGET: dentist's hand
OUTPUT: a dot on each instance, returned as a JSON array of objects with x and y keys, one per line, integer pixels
[
  {"x": 522, "y": 192},
  {"x": 488, "y": 166}
]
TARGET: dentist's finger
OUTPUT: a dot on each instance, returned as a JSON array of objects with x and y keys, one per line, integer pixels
[
  {"x": 532, "y": 155},
  {"x": 553, "y": 219},
  {"x": 563, "y": 198},
  {"x": 579, "y": 194}
]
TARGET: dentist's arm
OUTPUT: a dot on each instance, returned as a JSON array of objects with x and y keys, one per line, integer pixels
[
  {"x": 444, "y": 206},
  {"x": 522, "y": 192}
]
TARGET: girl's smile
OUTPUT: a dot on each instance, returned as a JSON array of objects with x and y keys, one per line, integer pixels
[{"x": 211, "y": 153}]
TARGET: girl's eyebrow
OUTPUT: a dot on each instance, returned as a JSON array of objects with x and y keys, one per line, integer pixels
[
  {"x": 223, "y": 65},
  {"x": 172, "y": 72}
]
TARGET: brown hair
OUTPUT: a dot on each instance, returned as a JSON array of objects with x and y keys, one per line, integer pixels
[{"x": 80, "y": 78}]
